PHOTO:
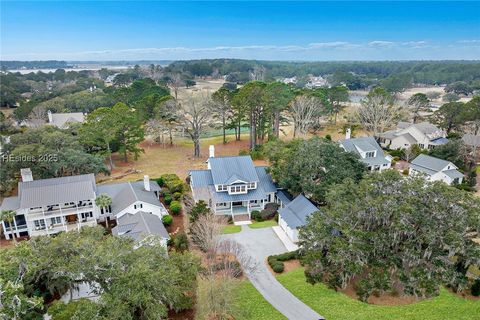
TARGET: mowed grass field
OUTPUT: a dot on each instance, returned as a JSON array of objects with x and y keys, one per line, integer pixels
[
  {"x": 338, "y": 306},
  {"x": 254, "y": 306}
]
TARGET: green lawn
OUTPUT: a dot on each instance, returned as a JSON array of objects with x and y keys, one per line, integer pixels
[
  {"x": 263, "y": 224},
  {"x": 254, "y": 305},
  {"x": 231, "y": 229},
  {"x": 337, "y": 306}
]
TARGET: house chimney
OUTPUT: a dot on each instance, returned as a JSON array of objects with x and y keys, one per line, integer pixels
[
  {"x": 146, "y": 182},
  {"x": 50, "y": 117},
  {"x": 211, "y": 151},
  {"x": 348, "y": 133},
  {"x": 26, "y": 174}
]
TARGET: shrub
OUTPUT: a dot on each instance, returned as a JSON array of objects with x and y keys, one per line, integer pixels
[
  {"x": 167, "y": 220},
  {"x": 278, "y": 267},
  {"x": 173, "y": 183},
  {"x": 256, "y": 216},
  {"x": 476, "y": 288},
  {"x": 199, "y": 209},
  {"x": 405, "y": 172},
  {"x": 328, "y": 137},
  {"x": 243, "y": 153},
  {"x": 168, "y": 199},
  {"x": 175, "y": 207},
  {"x": 269, "y": 211},
  {"x": 160, "y": 181},
  {"x": 397, "y": 153},
  {"x": 180, "y": 242},
  {"x": 177, "y": 195},
  {"x": 287, "y": 256}
]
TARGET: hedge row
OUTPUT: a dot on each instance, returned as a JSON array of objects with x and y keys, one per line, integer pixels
[{"x": 276, "y": 261}]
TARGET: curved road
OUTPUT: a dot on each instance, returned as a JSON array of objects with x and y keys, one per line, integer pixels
[{"x": 261, "y": 243}]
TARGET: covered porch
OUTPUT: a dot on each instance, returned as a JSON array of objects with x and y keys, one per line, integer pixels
[{"x": 237, "y": 208}]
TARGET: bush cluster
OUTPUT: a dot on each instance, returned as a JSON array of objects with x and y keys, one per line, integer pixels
[
  {"x": 173, "y": 183},
  {"x": 167, "y": 198},
  {"x": 266, "y": 214},
  {"x": 180, "y": 242},
  {"x": 476, "y": 288},
  {"x": 167, "y": 220},
  {"x": 175, "y": 207},
  {"x": 276, "y": 261}
]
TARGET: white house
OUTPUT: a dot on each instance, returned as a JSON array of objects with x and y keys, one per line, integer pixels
[
  {"x": 434, "y": 169},
  {"x": 232, "y": 186},
  {"x": 49, "y": 206},
  {"x": 62, "y": 120},
  {"x": 294, "y": 216},
  {"x": 368, "y": 150},
  {"x": 405, "y": 135}
]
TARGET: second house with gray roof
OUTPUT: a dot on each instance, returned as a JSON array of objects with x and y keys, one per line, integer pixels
[
  {"x": 434, "y": 169},
  {"x": 368, "y": 150}
]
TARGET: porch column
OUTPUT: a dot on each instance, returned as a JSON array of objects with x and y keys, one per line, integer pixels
[
  {"x": 231, "y": 209},
  {"x": 16, "y": 229},
  {"x": 7, "y": 236}
]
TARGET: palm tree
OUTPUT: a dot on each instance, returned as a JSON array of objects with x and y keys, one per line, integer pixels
[
  {"x": 104, "y": 201},
  {"x": 8, "y": 216}
]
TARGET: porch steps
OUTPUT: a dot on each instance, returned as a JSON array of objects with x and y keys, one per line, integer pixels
[{"x": 241, "y": 219}]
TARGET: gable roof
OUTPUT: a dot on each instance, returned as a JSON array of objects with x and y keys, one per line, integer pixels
[
  {"x": 124, "y": 194},
  {"x": 471, "y": 140},
  {"x": 62, "y": 119},
  {"x": 424, "y": 127},
  {"x": 10, "y": 203},
  {"x": 56, "y": 190},
  {"x": 227, "y": 170},
  {"x": 365, "y": 144},
  {"x": 265, "y": 180},
  {"x": 140, "y": 225},
  {"x": 431, "y": 163},
  {"x": 296, "y": 212}
]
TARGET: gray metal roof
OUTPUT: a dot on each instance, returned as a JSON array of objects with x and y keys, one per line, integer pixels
[
  {"x": 424, "y": 127},
  {"x": 61, "y": 120},
  {"x": 56, "y": 190},
  {"x": 140, "y": 225},
  {"x": 227, "y": 170},
  {"x": 296, "y": 212},
  {"x": 124, "y": 194},
  {"x": 201, "y": 178},
  {"x": 284, "y": 196},
  {"x": 265, "y": 180},
  {"x": 10, "y": 203},
  {"x": 365, "y": 144},
  {"x": 431, "y": 163},
  {"x": 454, "y": 174},
  {"x": 471, "y": 140}
]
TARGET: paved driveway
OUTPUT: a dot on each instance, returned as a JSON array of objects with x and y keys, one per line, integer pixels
[{"x": 261, "y": 243}]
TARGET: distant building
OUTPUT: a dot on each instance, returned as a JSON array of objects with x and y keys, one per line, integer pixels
[
  {"x": 291, "y": 80},
  {"x": 434, "y": 169},
  {"x": 316, "y": 82},
  {"x": 368, "y": 150},
  {"x": 62, "y": 120},
  {"x": 425, "y": 135}
]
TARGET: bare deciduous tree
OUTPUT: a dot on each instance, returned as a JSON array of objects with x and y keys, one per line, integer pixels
[
  {"x": 194, "y": 116},
  {"x": 176, "y": 82},
  {"x": 258, "y": 73},
  {"x": 305, "y": 113},
  {"x": 229, "y": 254},
  {"x": 206, "y": 230},
  {"x": 377, "y": 112},
  {"x": 38, "y": 116},
  {"x": 216, "y": 298},
  {"x": 157, "y": 130}
]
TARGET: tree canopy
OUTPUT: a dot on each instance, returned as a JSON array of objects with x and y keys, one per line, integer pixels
[
  {"x": 311, "y": 166},
  {"x": 141, "y": 283},
  {"x": 389, "y": 232}
]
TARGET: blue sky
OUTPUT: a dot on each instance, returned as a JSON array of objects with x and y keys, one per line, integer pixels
[{"x": 260, "y": 30}]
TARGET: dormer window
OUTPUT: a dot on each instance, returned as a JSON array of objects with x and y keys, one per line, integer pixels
[
  {"x": 222, "y": 187},
  {"x": 370, "y": 154},
  {"x": 252, "y": 185},
  {"x": 238, "y": 189}
]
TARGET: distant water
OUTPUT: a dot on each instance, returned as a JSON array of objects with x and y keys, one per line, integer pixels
[{"x": 80, "y": 68}]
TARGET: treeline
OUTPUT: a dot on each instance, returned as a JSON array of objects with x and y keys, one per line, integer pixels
[
  {"x": 49, "y": 64},
  {"x": 367, "y": 72}
]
